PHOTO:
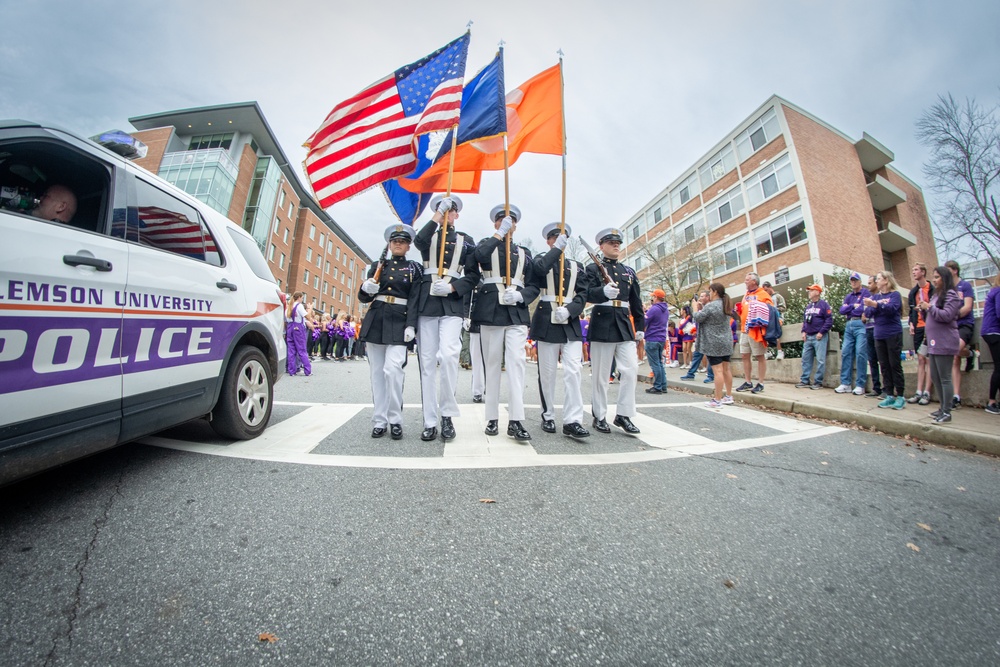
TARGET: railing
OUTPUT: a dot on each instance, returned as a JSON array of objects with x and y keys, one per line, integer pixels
[{"x": 210, "y": 156}]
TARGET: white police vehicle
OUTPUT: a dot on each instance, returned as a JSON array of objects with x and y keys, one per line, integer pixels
[{"x": 144, "y": 310}]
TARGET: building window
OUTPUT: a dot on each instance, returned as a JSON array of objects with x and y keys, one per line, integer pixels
[
  {"x": 637, "y": 264},
  {"x": 312, "y": 232},
  {"x": 281, "y": 261},
  {"x": 770, "y": 180},
  {"x": 718, "y": 165},
  {"x": 291, "y": 209},
  {"x": 684, "y": 192},
  {"x": 277, "y": 222},
  {"x": 281, "y": 199},
  {"x": 284, "y": 238},
  {"x": 305, "y": 278},
  {"x": 322, "y": 240},
  {"x": 633, "y": 232},
  {"x": 270, "y": 253},
  {"x": 688, "y": 231},
  {"x": 327, "y": 269},
  {"x": 316, "y": 282},
  {"x": 886, "y": 261},
  {"x": 224, "y": 141},
  {"x": 758, "y": 135},
  {"x": 348, "y": 301},
  {"x": 350, "y": 284},
  {"x": 724, "y": 208},
  {"x": 733, "y": 254},
  {"x": 319, "y": 261},
  {"x": 657, "y": 215},
  {"x": 309, "y": 254},
  {"x": 696, "y": 268},
  {"x": 338, "y": 253},
  {"x": 352, "y": 264},
  {"x": 780, "y": 233},
  {"x": 334, "y": 273}
]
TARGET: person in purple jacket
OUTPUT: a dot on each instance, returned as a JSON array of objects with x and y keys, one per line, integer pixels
[
  {"x": 966, "y": 327},
  {"x": 297, "y": 336},
  {"x": 854, "y": 350},
  {"x": 991, "y": 336},
  {"x": 941, "y": 316},
  {"x": 885, "y": 308},
  {"x": 816, "y": 323},
  {"x": 657, "y": 317}
]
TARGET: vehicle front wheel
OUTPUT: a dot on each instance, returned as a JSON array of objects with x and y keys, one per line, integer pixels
[{"x": 244, "y": 406}]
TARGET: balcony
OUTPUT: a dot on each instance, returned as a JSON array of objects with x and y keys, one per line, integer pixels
[
  {"x": 893, "y": 238},
  {"x": 872, "y": 154},
  {"x": 884, "y": 194},
  {"x": 207, "y": 157}
]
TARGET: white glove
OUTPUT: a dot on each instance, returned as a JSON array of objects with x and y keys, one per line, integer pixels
[
  {"x": 467, "y": 324},
  {"x": 505, "y": 226},
  {"x": 639, "y": 335},
  {"x": 611, "y": 291},
  {"x": 445, "y": 205},
  {"x": 561, "y": 242},
  {"x": 562, "y": 314},
  {"x": 511, "y": 296},
  {"x": 441, "y": 288},
  {"x": 369, "y": 287},
  {"x": 409, "y": 334}
]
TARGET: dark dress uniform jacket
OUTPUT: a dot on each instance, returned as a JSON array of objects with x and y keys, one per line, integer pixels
[
  {"x": 467, "y": 277},
  {"x": 575, "y": 298},
  {"x": 609, "y": 320},
  {"x": 487, "y": 309},
  {"x": 385, "y": 321}
]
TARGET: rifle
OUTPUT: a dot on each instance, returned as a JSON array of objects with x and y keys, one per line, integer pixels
[
  {"x": 381, "y": 263},
  {"x": 600, "y": 265}
]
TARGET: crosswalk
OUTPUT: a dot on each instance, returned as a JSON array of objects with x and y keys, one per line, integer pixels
[{"x": 295, "y": 439}]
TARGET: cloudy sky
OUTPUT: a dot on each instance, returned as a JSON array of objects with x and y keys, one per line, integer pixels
[{"x": 651, "y": 85}]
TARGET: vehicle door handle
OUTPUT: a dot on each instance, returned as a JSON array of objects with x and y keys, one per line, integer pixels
[
  {"x": 83, "y": 260},
  {"x": 225, "y": 284}
]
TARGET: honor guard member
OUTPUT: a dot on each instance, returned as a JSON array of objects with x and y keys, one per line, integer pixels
[
  {"x": 617, "y": 321},
  {"x": 501, "y": 310},
  {"x": 556, "y": 329},
  {"x": 388, "y": 326},
  {"x": 439, "y": 312},
  {"x": 475, "y": 351}
]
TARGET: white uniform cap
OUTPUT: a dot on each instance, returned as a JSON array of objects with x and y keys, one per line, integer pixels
[
  {"x": 436, "y": 198},
  {"x": 609, "y": 234},
  {"x": 399, "y": 232},
  {"x": 553, "y": 228},
  {"x": 515, "y": 212}
]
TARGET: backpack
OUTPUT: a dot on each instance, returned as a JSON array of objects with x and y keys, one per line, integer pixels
[{"x": 773, "y": 331}]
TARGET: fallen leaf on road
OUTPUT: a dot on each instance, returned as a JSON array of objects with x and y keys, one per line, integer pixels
[
  {"x": 825, "y": 453},
  {"x": 729, "y": 583},
  {"x": 486, "y": 500},
  {"x": 765, "y": 451},
  {"x": 823, "y": 463},
  {"x": 267, "y": 637},
  {"x": 960, "y": 488},
  {"x": 926, "y": 527},
  {"x": 731, "y": 475},
  {"x": 913, "y": 546}
]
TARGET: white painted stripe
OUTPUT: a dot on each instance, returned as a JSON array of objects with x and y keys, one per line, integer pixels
[
  {"x": 664, "y": 435},
  {"x": 750, "y": 443},
  {"x": 768, "y": 419}
]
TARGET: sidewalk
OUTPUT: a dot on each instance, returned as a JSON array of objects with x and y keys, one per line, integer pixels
[{"x": 971, "y": 428}]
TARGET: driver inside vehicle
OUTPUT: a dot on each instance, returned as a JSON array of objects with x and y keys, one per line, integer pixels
[{"x": 58, "y": 204}]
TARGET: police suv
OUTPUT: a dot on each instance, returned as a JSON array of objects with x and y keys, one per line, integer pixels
[{"x": 126, "y": 306}]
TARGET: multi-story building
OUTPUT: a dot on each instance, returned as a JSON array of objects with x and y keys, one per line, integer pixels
[
  {"x": 228, "y": 157},
  {"x": 787, "y": 196}
]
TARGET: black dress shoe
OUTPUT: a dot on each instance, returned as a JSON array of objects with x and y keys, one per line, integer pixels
[
  {"x": 601, "y": 425},
  {"x": 654, "y": 390},
  {"x": 548, "y": 426},
  {"x": 478, "y": 398},
  {"x": 396, "y": 431},
  {"x": 625, "y": 424},
  {"x": 447, "y": 429},
  {"x": 491, "y": 427},
  {"x": 574, "y": 430},
  {"x": 378, "y": 431},
  {"x": 516, "y": 431},
  {"x": 429, "y": 434}
]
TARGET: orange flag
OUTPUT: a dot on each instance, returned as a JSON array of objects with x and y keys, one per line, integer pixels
[{"x": 534, "y": 125}]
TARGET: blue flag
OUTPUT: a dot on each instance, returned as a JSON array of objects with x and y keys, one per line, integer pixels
[{"x": 484, "y": 114}]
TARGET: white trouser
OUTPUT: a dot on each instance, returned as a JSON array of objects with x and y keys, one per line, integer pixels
[
  {"x": 504, "y": 346},
  {"x": 386, "y": 365},
  {"x": 434, "y": 335},
  {"x": 601, "y": 355},
  {"x": 548, "y": 364},
  {"x": 476, "y": 350}
]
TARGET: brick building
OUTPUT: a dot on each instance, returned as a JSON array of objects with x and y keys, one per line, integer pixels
[
  {"x": 788, "y": 196},
  {"x": 228, "y": 157}
]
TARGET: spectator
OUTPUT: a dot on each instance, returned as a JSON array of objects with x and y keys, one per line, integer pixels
[
  {"x": 698, "y": 355},
  {"x": 57, "y": 204},
  {"x": 716, "y": 343},
  {"x": 687, "y": 328},
  {"x": 872, "y": 356},
  {"x": 674, "y": 337},
  {"x": 816, "y": 324},
  {"x": 991, "y": 336},
  {"x": 752, "y": 342},
  {"x": 656, "y": 337},
  {"x": 778, "y": 301},
  {"x": 854, "y": 350},
  {"x": 885, "y": 308},
  {"x": 922, "y": 291},
  {"x": 966, "y": 328},
  {"x": 941, "y": 317}
]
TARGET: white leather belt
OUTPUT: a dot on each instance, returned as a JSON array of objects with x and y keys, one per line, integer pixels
[
  {"x": 391, "y": 299},
  {"x": 613, "y": 304},
  {"x": 433, "y": 272},
  {"x": 498, "y": 280},
  {"x": 547, "y": 297}
]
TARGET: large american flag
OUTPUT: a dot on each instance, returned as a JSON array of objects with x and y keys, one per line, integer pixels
[
  {"x": 368, "y": 138},
  {"x": 173, "y": 231}
]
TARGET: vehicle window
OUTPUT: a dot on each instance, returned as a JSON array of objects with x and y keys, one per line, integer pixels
[
  {"x": 251, "y": 253},
  {"x": 164, "y": 222},
  {"x": 36, "y": 173}
]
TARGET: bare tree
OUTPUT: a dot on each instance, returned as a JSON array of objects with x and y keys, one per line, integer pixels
[
  {"x": 964, "y": 170},
  {"x": 681, "y": 272}
]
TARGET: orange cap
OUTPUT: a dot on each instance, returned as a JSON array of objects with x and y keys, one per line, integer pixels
[{"x": 815, "y": 287}]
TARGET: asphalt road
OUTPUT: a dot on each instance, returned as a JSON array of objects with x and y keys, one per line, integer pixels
[{"x": 801, "y": 544}]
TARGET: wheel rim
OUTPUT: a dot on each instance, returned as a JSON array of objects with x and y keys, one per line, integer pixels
[{"x": 253, "y": 393}]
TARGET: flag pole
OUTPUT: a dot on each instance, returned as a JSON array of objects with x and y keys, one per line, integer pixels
[
  {"x": 444, "y": 223},
  {"x": 506, "y": 207},
  {"x": 562, "y": 221}
]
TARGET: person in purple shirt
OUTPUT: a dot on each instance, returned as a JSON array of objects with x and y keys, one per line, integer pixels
[
  {"x": 873, "y": 371},
  {"x": 966, "y": 328},
  {"x": 816, "y": 323},
  {"x": 657, "y": 317},
  {"x": 991, "y": 336},
  {"x": 886, "y": 308},
  {"x": 854, "y": 350},
  {"x": 941, "y": 336}
]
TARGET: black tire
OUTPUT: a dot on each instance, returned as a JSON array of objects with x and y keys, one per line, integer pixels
[{"x": 244, "y": 406}]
